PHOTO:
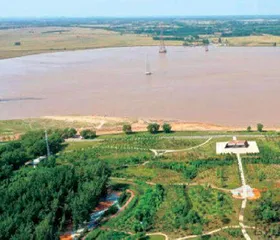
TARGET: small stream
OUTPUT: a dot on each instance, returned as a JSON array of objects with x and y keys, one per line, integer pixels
[{"x": 105, "y": 203}]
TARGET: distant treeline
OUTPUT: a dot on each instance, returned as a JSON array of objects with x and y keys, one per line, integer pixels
[{"x": 175, "y": 27}]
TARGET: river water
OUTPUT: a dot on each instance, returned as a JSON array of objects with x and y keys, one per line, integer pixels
[{"x": 232, "y": 86}]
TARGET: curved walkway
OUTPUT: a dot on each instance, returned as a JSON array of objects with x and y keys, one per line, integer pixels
[
  {"x": 160, "y": 152},
  {"x": 213, "y": 232}
]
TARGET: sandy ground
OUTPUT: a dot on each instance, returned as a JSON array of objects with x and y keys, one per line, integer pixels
[{"x": 114, "y": 124}]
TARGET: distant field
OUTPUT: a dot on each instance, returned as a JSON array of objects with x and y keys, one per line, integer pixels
[
  {"x": 259, "y": 41},
  {"x": 53, "y": 39}
]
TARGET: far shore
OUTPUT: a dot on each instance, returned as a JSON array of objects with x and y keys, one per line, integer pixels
[{"x": 33, "y": 41}]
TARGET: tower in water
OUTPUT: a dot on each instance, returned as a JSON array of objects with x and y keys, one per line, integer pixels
[{"x": 162, "y": 47}]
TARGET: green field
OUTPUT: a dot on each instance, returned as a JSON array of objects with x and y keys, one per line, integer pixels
[{"x": 181, "y": 193}]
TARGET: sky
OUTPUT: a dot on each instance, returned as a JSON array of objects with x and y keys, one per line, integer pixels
[{"x": 128, "y": 8}]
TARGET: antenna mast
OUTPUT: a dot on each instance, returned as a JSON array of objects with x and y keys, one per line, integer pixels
[
  {"x": 47, "y": 144},
  {"x": 162, "y": 48}
]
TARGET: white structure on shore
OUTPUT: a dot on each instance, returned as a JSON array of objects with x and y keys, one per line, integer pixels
[{"x": 237, "y": 147}]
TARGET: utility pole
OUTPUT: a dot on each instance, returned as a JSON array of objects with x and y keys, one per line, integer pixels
[
  {"x": 162, "y": 48},
  {"x": 47, "y": 144}
]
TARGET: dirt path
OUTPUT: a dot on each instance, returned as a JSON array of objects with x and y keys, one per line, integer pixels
[
  {"x": 101, "y": 125},
  {"x": 159, "y": 152},
  {"x": 213, "y": 232}
]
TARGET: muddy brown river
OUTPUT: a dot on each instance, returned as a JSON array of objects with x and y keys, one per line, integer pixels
[{"x": 230, "y": 86}]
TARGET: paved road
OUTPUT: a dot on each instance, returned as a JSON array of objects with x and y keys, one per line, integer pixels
[{"x": 244, "y": 201}]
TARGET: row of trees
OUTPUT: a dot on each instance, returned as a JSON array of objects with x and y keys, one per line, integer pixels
[
  {"x": 191, "y": 169},
  {"x": 188, "y": 171},
  {"x": 147, "y": 207},
  {"x": 152, "y": 128},
  {"x": 259, "y": 128}
]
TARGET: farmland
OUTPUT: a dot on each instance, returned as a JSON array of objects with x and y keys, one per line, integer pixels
[
  {"x": 26, "y": 37},
  {"x": 180, "y": 193}
]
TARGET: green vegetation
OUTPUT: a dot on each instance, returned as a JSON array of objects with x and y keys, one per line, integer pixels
[
  {"x": 31, "y": 145},
  {"x": 192, "y": 209},
  {"x": 38, "y": 203},
  {"x": 104, "y": 235},
  {"x": 127, "y": 129},
  {"x": 50, "y": 35},
  {"x": 88, "y": 134},
  {"x": 123, "y": 198},
  {"x": 267, "y": 215},
  {"x": 166, "y": 128},
  {"x": 260, "y": 127},
  {"x": 153, "y": 128},
  {"x": 178, "y": 191}
]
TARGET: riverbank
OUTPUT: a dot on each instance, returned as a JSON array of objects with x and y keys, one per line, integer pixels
[{"x": 105, "y": 125}]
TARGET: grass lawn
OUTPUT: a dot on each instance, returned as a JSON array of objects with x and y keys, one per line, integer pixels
[
  {"x": 229, "y": 179},
  {"x": 72, "y": 146},
  {"x": 161, "y": 176},
  {"x": 156, "y": 237},
  {"x": 10, "y": 127},
  {"x": 266, "y": 40}
]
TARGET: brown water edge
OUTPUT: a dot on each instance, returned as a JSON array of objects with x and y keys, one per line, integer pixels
[{"x": 226, "y": 86}]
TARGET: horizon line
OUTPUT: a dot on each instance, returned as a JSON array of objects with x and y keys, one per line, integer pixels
[{"x": 139, "y": 16}]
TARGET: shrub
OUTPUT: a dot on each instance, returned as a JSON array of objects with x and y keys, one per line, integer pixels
[
  {"x": 153, "y": 128},
  {"x": 69, "y": 133},
  {"x": 111, "y": 211},
  {"x": 249, "y": 129},
  {"x": 123, "y": 198},
  {"x": 261, "y": 176},
  {"x": 88, "y": 134},
  {"x": 166, "y": 128},
  {"x": 260, "y": 127},
  {"x": 127, "y": 129}
]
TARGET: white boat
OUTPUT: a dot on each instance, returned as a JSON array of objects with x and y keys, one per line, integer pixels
[{"x": 148, "y": 67}]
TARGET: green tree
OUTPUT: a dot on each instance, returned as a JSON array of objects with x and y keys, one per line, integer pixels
[
  {"x": 127, "y": 129},
  {"x": 260, "y": 127},
  {"x": 69, "y": 133},
  {"x": 206, "y": 41},
  {"x": 190, "y": 172},
  {"x": 153, "y": 128},
  {"x": 88, "y": 134},
  {"x": 249, "y": 129},
  {"x": 166, "y": 128},
  {"x": 193, "y": 217},
  {"x": 261, "y": 176}
]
